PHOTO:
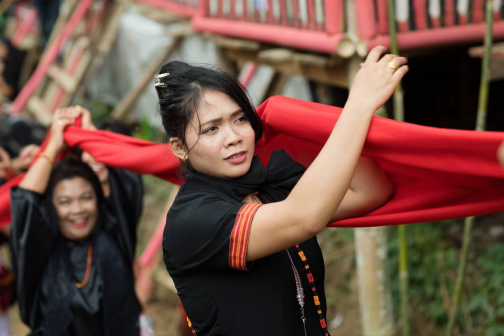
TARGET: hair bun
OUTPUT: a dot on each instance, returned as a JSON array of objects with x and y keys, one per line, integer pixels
[{"x": 175, "y": 68}]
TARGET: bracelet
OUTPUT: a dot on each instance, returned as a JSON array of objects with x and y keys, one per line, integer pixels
[{"x": 48, "y": 158}]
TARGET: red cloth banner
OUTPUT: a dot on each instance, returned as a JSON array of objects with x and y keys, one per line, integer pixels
[{"x": 437, "y": 173}]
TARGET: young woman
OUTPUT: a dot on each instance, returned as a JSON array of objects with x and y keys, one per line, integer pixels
[
  {"x": 240, "y": 239},
  {"x": 73, "y": 246}
]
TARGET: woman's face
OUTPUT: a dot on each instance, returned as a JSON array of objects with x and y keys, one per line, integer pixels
[
  {"x": 219, "y": 138},
  {"x": 77, "y": 208}
]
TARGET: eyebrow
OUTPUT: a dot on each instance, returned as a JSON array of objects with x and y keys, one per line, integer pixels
[
  {"x": 65, "y": 197},
  {"x": 219, "y": 119}
]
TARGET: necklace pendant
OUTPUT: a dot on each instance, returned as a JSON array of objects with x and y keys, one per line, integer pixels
[{"x": 300, "y": 297}]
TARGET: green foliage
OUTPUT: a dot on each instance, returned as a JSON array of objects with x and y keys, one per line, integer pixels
[
  {"x": 2, "y": 23},
  {"x": 432, "y": 266},
  {"x": 99, "y": 109},
  {"x": 145, "y": 130}
]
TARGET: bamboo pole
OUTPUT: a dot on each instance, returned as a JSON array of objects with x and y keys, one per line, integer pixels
[
  {"x": 480, "y": 126},
  {"x": 399, "y": 115}
]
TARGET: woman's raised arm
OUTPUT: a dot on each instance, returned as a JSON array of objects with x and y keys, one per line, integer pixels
[
  {"x": 319, "y": 193},
  {"x": 37, "y": 177}
]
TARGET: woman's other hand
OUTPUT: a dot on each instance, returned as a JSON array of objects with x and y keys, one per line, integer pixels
[
  {"x": 26, "y": 157},
  {"x": 87, "y": 121},
  {"x": 7, "y": 169},
  {"x": 376, "y": 80},
  {"x": 61, "y": 119}
]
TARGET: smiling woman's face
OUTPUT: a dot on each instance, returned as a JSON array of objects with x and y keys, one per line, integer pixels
[
  {"x": 220, "y": 138},
  {"x": 76, "y": 206}
]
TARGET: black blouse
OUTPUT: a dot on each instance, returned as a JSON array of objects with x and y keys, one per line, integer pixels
[
  {"x": 204, "y": 244},
  {"x": 34, "y": 240}
]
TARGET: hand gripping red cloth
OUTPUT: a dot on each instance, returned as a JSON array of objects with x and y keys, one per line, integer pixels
[{"x": 437, "y": 173}]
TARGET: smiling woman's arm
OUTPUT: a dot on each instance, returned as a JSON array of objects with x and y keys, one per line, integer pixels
[{"x": 37, "y": 177}]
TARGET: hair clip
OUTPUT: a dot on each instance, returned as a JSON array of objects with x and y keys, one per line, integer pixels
[{"x": 158, "y": 79}]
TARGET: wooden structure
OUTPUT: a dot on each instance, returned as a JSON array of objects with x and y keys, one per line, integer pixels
[
  {"x": 82, "y": 36},
  {"x": 315, "y": 38}
]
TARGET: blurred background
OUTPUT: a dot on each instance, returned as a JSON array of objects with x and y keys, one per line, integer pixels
[{"x": 103, "y": 54}]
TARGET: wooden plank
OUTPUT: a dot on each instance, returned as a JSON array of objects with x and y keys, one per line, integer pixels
[
  {"x": 61, "y": 77},
  {"x": 497, "y": 69},
  {"x": 276, "y": 86},
  {"x": 282, "y": 55},
  {"x": 37, "y": 107},
  {"x": 333, "y": 74},
  {"x": 131, "y": 97},
  {"x": 497, "y": 64},
  {"x": 105, "y": 43},
  {"x": 276, "y": 55},
  {"x": 226, "y": 42},
  {"x": 76, "y": 77},
  {"x": 497, "y": 51}
]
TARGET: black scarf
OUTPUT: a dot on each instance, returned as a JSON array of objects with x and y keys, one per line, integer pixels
[{"x": 274, "y": 181}]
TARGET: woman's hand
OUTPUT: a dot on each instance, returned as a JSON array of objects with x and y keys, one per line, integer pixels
[
  {"x": 25, "y": 158},
  {"x": 61, "y": 119},
  {"x": 376, "y": 80},
  {"x": 87, "y": 121},
  {"x": 7, "y": 169}
]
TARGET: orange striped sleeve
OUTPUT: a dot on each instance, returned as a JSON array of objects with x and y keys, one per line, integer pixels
[{"x": 239, "y": 239}]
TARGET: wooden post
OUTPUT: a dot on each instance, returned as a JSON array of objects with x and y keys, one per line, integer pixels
[
  {"x": 375, "y": 298},
  {"x": 374, "y": 288}
]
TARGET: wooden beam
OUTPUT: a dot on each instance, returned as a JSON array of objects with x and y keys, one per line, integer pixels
[
  {"x": 335, "y": 73},
  {"x": 497, "y": 62},
  {"x": 276, "y": 86},
  {"x": 39, "y": 110},
  {"x": 148, "y": 77},
  {"x": 61, "y": 77},
  {"x": 238, "y": 44}
]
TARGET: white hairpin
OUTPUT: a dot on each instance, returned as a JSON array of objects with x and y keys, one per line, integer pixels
[{"x": 158, "y": 79}]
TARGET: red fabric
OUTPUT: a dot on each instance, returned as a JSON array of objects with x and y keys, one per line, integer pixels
[{"x": 437, "y": 173}]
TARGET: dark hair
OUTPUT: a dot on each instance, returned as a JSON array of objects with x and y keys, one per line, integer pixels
[
  {"x": 181, "y": 91},
  {"x": 114, "y": 125},
  {"x": 69, "y": 168}
]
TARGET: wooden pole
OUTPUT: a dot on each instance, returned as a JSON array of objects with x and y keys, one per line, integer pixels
[
  {"x": 375, "y": 298},
  {"x": 399, "y": 115},
  {"x": 148, "y": 77},
  {"x": 480, "y": 126}
]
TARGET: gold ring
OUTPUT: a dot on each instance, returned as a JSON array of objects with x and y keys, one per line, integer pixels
[{"x": 393, "y": 65}]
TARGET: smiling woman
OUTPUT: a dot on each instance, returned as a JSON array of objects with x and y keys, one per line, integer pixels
[{"x": 73, "y": 238}]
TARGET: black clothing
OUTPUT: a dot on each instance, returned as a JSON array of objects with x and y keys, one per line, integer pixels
[
  {"x": 47, "y": 266},
  {"x": 197, "y": 247}
]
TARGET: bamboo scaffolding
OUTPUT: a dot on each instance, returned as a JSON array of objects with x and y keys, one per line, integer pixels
[{"x": 480, "y": 126}]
